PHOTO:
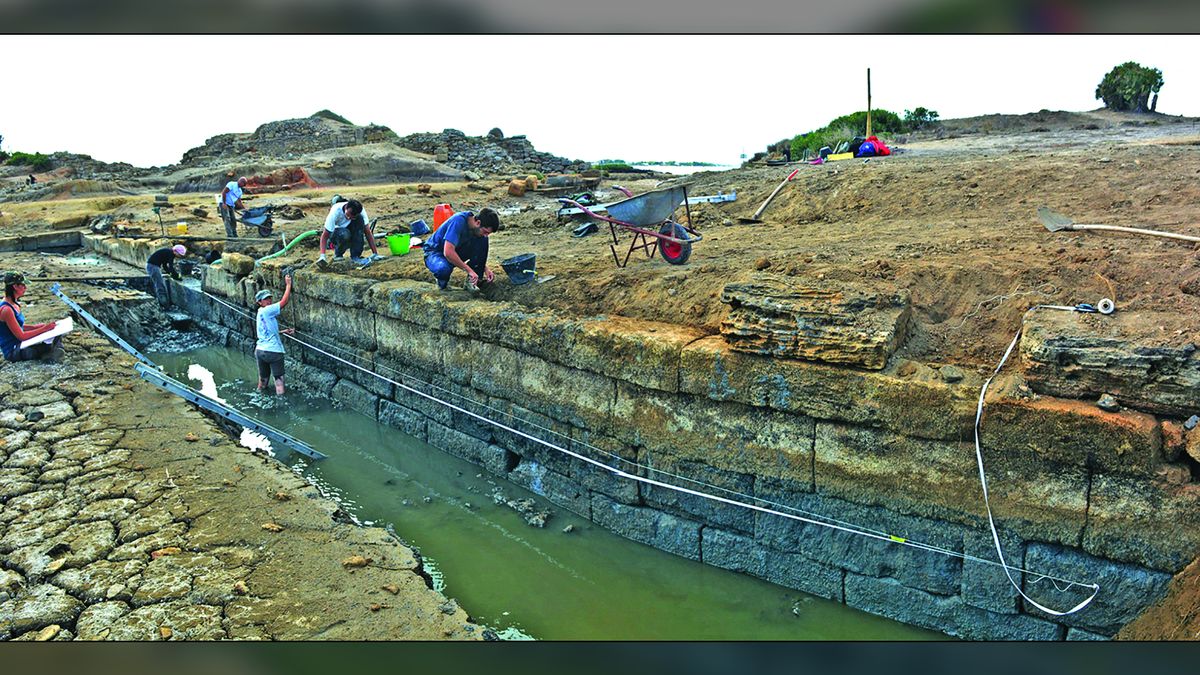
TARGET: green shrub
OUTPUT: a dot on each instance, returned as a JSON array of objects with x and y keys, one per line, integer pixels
[
  {"x": 612, "y": 166},
  {"x": 847, "y": 127},
  {"x": 330, "y": 115},
  {"x": 920, "y": 118},
  {"x": 37, "y": 160},
  {"x": 1128, "y": 87}
]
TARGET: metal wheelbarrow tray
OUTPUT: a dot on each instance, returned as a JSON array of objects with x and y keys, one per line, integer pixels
[
  {"x": 260, "y": 218},
  {"x": 648, "y": 217}
]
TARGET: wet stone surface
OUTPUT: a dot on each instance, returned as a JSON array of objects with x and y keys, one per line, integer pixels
[{"x": 114, "y": 526}]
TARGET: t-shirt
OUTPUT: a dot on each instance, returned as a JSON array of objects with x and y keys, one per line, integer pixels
[
  {"x": 267, "y": 329},
  {"x": 337, "y": 217},
  {"x": 455, "y": 230},
  {"x": 163, "y": 257},
  {"x": 9, "y": 342},
  {"x": 234, "y": 194}
]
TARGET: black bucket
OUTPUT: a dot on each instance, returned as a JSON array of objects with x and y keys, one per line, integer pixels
[{"x": 520, "y": 269}]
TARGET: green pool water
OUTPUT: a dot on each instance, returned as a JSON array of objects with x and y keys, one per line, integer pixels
[{"x": 522, "y": 581}]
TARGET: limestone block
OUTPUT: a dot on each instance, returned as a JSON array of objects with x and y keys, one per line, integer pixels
[
  {"x": 554, "y": 486},
  {"x": 936, "y": 410},
  {"x": 1029, "y": 433},
  {"x": 326, "y": 289},
  {"x": 985, "y": 585},
  {"x": 1082, "y": 356},
  {"x": 337, "y": 325},
  {"x": 1080, "y": 635},
  {"x": 410, "y": 347},
  {"x": 1125, "y": 590},
  {"x": 700, "y": 477},
  {"x": 941, "y": 480},
  {"x": 572, "y": 396},
  {"x": 219, "y": 282},
  {"x": 516, "y": 187},
  {"x": 834, "y": 322},
  {"x": 237, "y": 264},
  {"x": 804, "y": 574},
  {"x": 731, "y": 551},
  {"x": 405, "y": 419},
  {"x": 1192, "y": 445},
  {"x": 411, "y": 301},
  {"x": 660, "y": 530},
  {"x": 1144, "y": 522},
  {"x": 724, "y": 435},
  {"x": 491, "y": 457},
  {"x": 356, "y": 398},
  {"x": 887, "y": 597}
]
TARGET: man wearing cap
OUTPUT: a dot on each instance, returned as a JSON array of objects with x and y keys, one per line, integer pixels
[
  {"x": 231, "y": 200},
  {"x": 268, "y": 351},
  {"x": 462, "y": 242},
  {"x": 163, "y": 259},
  {"x": 13, "y": 330},
  {"x": 346, "y": 226}
]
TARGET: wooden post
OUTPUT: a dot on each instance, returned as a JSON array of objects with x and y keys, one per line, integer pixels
[{"x": 868, "y": 102}]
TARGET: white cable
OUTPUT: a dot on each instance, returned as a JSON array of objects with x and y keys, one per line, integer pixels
[
  {"x": 832, "y": 523},
  {"x": 983, "y": 477}
]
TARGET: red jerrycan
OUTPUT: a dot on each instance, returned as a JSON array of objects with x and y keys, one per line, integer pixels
[{"x": 441, "y": 213}]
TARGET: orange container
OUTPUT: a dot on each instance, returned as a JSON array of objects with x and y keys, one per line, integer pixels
[{"x": 441, "y": 213}]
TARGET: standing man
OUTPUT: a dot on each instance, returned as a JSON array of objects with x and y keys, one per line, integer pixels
[
  {"x": 346, "y": 226},
  {"x": 231, "y": 200},
  {"x": 268, "y": 351},
  {"x": 163, "y": 259},
  {"x": 462, "y": 242}
]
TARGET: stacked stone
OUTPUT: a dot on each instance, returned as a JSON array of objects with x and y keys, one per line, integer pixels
[{"x": 488, "y": 154}]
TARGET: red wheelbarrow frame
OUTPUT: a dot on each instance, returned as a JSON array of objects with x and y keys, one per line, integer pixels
[{"x": 644, "y": 239}]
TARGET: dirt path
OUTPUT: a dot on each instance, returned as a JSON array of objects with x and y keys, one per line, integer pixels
[{"x": 127, "y": 515}]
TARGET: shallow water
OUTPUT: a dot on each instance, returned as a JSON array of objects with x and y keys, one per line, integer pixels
[{"x": 522, "y": 581}]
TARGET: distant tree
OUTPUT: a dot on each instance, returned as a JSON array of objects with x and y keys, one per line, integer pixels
[
  {"x": 921, "y": 117},
  {"x": 1128, "y": 87},
  {"x": 3, "y": 154}
]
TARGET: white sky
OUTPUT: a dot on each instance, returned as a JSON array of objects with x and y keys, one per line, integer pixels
[{"x": 147, "y": 99}]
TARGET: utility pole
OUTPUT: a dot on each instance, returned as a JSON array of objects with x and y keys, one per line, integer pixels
[{"x": 868, "y": 102}]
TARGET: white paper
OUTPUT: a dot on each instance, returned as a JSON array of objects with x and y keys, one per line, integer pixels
[{"x": 62, "y": 327}]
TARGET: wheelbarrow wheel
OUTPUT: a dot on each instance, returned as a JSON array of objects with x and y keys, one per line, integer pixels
[{"x": 673, "y": 252}]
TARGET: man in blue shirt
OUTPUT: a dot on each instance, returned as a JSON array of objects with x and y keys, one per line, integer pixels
[
  {"x": 462, "y": 242},
  {"x": 231, "y": 199},
  {"x": 268, "y": 351}
]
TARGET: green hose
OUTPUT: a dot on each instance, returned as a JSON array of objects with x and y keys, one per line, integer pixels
[{"x": 287, "y": 248}]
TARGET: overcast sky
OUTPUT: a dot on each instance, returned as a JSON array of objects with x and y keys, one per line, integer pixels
[{"x": 148, "y": 99}]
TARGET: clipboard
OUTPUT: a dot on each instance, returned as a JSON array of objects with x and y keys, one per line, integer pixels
[{"x": 61, "y": 327}]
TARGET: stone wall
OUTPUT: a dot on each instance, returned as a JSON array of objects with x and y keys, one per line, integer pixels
[
  {"x": 492, "y": 154},
  {"x": 1077, "y": 492},
  {"x": 289, "y": 138}
]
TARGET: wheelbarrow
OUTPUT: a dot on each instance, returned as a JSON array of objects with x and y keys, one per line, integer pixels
[
  {"x": 259, "y": 217},
  {"x": 648, "y": 217}
]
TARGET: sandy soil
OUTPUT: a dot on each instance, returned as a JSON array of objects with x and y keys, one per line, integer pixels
[{"x": 953, "y": 220}]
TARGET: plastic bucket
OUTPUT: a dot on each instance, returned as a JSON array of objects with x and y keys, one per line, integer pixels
[
  {"x": 399, "y": 243},
  {"x": 418, "y": 228},
  {"x": 181, "y": 228},
  {"x": 520, "y": 269}
]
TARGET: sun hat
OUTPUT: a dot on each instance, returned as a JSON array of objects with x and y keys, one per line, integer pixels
[
  {"x": 263, "y": 295},
  {"x": 179, "y": 249}
]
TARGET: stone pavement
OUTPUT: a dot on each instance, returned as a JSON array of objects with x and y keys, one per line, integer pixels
[{"x": 125, "y": 514}]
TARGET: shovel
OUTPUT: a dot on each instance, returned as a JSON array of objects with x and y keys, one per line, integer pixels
[
  {"x": 759, "y": 212},
  {"x": 1056, "y": 221}
]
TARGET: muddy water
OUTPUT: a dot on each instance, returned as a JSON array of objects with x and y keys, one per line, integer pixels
[{"x": 525, "y": 582}]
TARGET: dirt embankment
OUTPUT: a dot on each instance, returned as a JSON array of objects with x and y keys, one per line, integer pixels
[{"x": 127, "y": 515}]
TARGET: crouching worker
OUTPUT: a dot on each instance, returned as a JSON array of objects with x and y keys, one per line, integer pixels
[
  {"x": 13, "y": 330},
  {"x": 163, "y": 260},
  {"x": 268, "y": 351},
  {"x": 345, "y": 227},
  {"x": 462, "y": 242}
]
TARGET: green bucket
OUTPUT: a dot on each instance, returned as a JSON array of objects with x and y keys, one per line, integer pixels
[{"x": 399, "y": 243}]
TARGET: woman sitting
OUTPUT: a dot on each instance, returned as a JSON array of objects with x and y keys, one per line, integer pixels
[{"x": 13, "y": 330}]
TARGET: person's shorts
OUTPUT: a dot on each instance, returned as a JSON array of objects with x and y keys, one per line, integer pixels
[{"x": 270, "y": 364}]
